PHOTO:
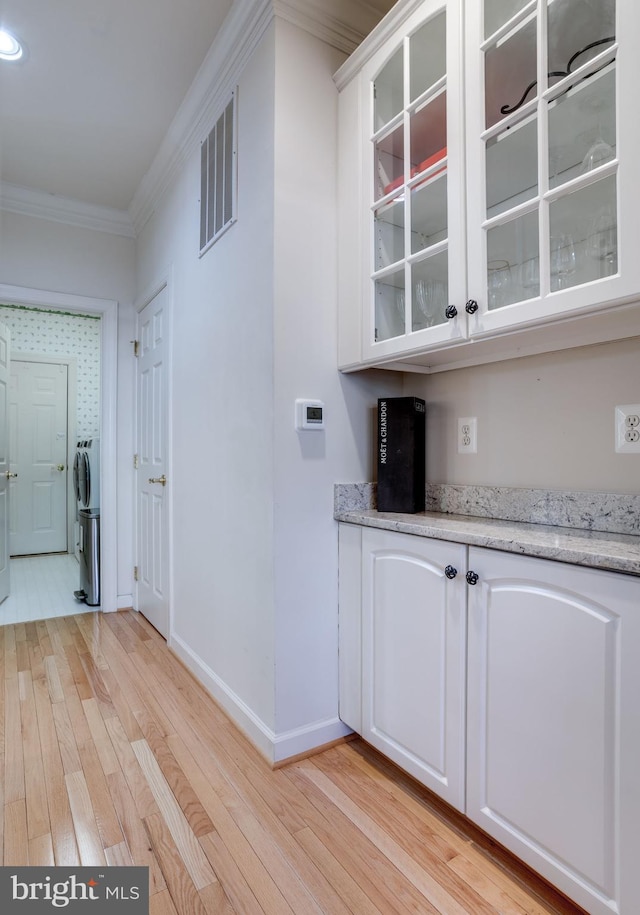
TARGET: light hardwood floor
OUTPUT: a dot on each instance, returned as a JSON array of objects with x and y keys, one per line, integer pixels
[{"x": 113, "y": 754}]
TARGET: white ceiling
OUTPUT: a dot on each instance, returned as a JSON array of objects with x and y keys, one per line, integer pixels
[
  {"x": 84, "y": 119},
  {"x": 83, "y": 115}
]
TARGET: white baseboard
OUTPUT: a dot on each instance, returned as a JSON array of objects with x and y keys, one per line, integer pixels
[
  {"x": 274, "y": 747},
  {"x": 124, "y": 601},
  {"x": 303, "y": 740}
]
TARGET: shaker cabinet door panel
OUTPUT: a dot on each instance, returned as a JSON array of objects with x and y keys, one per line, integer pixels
[
  {"x": 414, "y": 656},
  {"x": 546, "y": 672}
]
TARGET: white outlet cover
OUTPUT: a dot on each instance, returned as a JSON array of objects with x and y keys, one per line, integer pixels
[
  {"x": 626, "y": 422},
  {"x": 468, "y": 435}
]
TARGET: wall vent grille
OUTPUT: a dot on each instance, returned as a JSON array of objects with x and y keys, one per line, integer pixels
[{"x": 218, "y": 173}]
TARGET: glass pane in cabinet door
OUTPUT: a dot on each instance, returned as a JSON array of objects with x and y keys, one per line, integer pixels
[
  {"x": 388, "y": 95},
  {"x": 578, "y": 30},
  {"x": 497, "y": 12},
  {"x": 389, "y": 234},
  {"x": 389, "y": 165},
  {"x": 428, "y": 55},
  {"x": 582, "y": 127},
  {"x": 510, "y": 72},
  {"x": 513, "y": 261},
  {"x": 512, "y": 166},
  {"x": 583, "y": 244},
  {"x": 428, "y": 213},
  {"x": 390, "y": 306},
  {"x": 428, "y": 131},
  {"x": 430, "y": 291}
]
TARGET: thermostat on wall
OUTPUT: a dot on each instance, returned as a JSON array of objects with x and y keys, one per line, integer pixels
[{"x": 309, "y": 414}]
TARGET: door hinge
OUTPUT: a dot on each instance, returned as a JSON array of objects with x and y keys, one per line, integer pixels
[
  {"x": 136, "y": 347},
  {"x": 135, "y": 461},
  {"x": 136, "y": 576}
]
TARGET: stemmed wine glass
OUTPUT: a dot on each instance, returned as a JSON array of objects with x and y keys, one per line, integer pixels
[
  {"x": 420, "y": 293},
  {"x": 563, "y": 260},
  {"x": 498, "y": 282},
  {"x": 598, "y": 153},
  {"x": 602, "y": 241},
  {"x": 530, "y": 277},
  {"x": 430, "y": 299}
]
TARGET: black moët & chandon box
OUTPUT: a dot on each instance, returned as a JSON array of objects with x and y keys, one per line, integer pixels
[{"x": 401, "y": 454}]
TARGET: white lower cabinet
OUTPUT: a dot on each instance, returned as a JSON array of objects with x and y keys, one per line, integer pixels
[
  {"x": 413, "y": 657},
  {"x": 514, "y": 699}
]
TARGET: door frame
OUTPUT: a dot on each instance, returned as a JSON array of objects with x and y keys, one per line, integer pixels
[
  {"x": 108, "y": 311},
  {"x": 151, "y": 291},
  {"x": 71, "y": 363}
]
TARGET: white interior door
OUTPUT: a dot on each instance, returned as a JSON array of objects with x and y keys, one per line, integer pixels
[
  {"x": 151, "y": 479},
  {"x": 5, "y": 468},
  {"x": 38, "y": 420}
]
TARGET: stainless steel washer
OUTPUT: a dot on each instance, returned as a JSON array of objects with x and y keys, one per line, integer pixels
[{"x": 89, "y": 556}]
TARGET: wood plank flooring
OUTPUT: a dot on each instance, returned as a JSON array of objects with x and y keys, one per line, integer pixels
[{"x": 112, "y": 754}]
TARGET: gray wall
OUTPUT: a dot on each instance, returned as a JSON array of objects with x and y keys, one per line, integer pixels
[{"x": 543, "y": 421}]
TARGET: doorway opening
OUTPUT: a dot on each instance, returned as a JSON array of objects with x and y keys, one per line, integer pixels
[
  {"x": 43, "y": 419},
  {"x": 78, "y": 336},
  {"x": 54, "y": 398}
]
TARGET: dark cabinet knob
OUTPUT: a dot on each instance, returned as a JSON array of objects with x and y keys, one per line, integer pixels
[
  {"x": 472, "y": 578},
  {"x": 450, "y": 572},
  {"x": 450, "y": 312},
  {"x": 471, "y": 307}
]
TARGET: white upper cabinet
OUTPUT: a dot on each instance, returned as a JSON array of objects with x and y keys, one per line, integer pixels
[{"x": 487, "y": 175}]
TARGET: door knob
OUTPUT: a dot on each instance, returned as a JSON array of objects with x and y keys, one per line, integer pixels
[
  {"x": 9, "y": 475},
  {"x": 450, "y": 572},
  {"x": 60, "y": 467},
  {"x": 162, "y": 480}
]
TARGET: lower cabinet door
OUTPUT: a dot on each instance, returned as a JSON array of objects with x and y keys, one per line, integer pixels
[
  {"x": 553, "y": 758},
  {"x": 413, "y": 656}
]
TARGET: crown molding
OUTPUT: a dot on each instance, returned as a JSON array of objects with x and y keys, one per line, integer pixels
[
  {"x": 26, "y": 201},
  {"x": 374, "y": 40},
  {"x": 232, "y": 47},
  {"x": 341, "y": 23}
]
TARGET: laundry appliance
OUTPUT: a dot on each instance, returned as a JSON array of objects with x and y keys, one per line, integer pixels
[
  {"x": 86, "y": 474},
  {"x": 86, "y": 481}
]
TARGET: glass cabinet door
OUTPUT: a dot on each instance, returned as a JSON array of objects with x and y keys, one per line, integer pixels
[
  {"x": 412, "y": 193},
  {"x": 543, "y": 136}
]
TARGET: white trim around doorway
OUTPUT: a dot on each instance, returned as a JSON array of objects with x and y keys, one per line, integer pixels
[{"x": 108, "y": 311}]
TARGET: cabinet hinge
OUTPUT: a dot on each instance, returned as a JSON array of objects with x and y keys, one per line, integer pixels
[
  {"x": 136, "y": 576},
  {"x": 135, "y": 461},
  {"x": 136, "y": 347}
]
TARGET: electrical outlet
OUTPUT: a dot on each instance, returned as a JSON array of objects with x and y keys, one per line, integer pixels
[
  {"x": 627, "y": 428},
  {"x": 468, "y": 435}
]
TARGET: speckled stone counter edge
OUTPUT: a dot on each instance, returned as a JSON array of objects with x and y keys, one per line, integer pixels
[
  {"x": 580, "y": 545},
  {"x": 613, "y": 513}
]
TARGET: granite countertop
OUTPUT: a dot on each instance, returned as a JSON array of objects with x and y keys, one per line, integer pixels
[{"x": 601, "y": 549}]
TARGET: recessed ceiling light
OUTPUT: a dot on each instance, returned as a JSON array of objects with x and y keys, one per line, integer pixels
[{"x": 10, "y": 47}]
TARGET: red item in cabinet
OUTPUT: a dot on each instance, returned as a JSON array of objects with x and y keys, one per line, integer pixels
[
  {"x": 429, "y": 161},
  {"x": 397, "y": 182},
  {"x": 425, "y": 164}
]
